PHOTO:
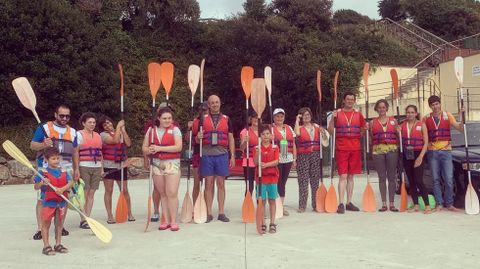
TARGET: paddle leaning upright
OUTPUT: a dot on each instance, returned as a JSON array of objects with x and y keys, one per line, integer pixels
[
  {"x": 187, "y": 205},
  {"x": 403, "y": 188},
  {"x": 154, "y": 81},
  {"x": 331, "y": 202},
  {"x": 321, "y": 192},
  {"x": 368, "y": 204},
  {"x": 471, "y": 198},
  {"x": 248, "y": 209}
]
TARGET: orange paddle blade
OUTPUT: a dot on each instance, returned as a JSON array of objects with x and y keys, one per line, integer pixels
[
  {"x": 369, "y": 204},
  {"x": 320, "y": 198},
  {"x": 331, "y": 203},
  {"x": 149, "y": 211},
  {"x": 121, "y": 212},
  {"x": 120, "y": 70},
  {"x": 248, "y": 209},
  {"x": 394, "y": 75},
  {"x": 335, "y": 82},
  {"x": 154, "y": 78},
  {"x": 167, "y": 76},
  {"x": 319, "y": 85},
  {"x": 259, "y": 215},
  {"x": 187, "y": 209},
  {"x": 246, "y": 77},
  {"x": 366, "y": 68},
  {"x": 258, "y": 96},
  {"x": 403, "y": 197}
]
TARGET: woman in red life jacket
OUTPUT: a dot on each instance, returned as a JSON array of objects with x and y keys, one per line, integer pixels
[
  {"x": 250, "y": 135},
  {"x": 165, "y": 150},
  {"x": 115, "y": 142},
  {"x": 383, "y": 130},
  {"x": 308, "y": 152},
  {"x": 284, "y": 138},
  {"x": 202, "y": 110},
  {"x": 415, "y": 140},
  {"x": 90, "y": 159}
]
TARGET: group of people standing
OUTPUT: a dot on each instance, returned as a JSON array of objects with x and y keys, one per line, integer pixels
[{"x": 89, "y": 155}]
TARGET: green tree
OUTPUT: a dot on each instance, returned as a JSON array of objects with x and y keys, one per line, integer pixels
[
  {"x": 305, "y": 14},
  {"x": 255, "y": 9},
  {"x": 391, "y": 9}
]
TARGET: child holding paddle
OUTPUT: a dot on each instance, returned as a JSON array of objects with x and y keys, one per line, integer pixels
[
  {"x": 270, "y": 174},
  {"x": 53, "y": 204}
]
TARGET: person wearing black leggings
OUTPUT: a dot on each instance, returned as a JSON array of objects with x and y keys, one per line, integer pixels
[
  {"x": 249, "y": 135},
  {"x": 415, "y": 140}
]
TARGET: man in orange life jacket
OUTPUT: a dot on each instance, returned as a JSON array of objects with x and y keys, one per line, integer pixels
[
  {"x": 218, "y": 142},
  {"x": 439, "y": 152},
  {"x": 64, "y": 139},
  {"x": 350, "y": 126}
]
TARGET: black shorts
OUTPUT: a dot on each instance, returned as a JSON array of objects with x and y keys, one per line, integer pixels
[{"x": 116, "y": 175}]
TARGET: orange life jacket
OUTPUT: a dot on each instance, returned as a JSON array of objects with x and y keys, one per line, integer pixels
[
  {"x": 64, "y": 144},
  {"x": 277, "y": 136},
  {"x": 252, "y": 143},
  {"x": 440, "y": 132},
  {"x": 305, "y": 144},
  {"x": 91, "y": 148},
  {"x": 416, "y": 136},
  {"x": 168, "y": 139},
  {"x": 50, "y": 194},
  {"x": 379, "y": 136},
  {"x": 114, "y": 152},
  {"x": 221, "y": 129},
  {"x": 346, "y": 129}
]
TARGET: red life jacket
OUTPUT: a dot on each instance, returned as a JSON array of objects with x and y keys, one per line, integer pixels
[
  {"x": 168, "y": 139},
  {"x": 416, "y": 136},
  {"x": 305, "y": 145},
  {"x": 343, "y": 128},
  {"x": 379, "y": 136},
  {"x": 268, "y": 156},
  {"x": 440, "y": 132},
  {"x": 252, "y": 143},
  {"x": 277, "y": 136},
  {"x": 221, "y": 129},
  {"x": 114, "y": 152},
  {"x": 50, "y": 194},
  {"x": 91, "y": 148}
]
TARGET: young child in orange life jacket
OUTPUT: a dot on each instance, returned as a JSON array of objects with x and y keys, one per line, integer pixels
[
  {"x": 270, "y": 174},
  {"x": 53, "y": 204}
]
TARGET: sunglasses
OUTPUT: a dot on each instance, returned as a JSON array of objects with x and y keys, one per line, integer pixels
[{"x": 63, "y": 116}]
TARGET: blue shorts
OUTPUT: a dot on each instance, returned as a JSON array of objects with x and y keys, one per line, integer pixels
[
  {"x": 217, "y": 165},
  {"x": 268, "y": 190}
]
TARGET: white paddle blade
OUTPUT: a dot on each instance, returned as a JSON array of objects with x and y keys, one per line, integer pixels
[
  {"x": 459, "y": 69},
  {"x": 471, "y": 201},
  {"x": 268, "y": 79},
  {"x": 193, "y": 78},
  {"x": 278, "y": 208},
  {"x": 25, "y": 93}
]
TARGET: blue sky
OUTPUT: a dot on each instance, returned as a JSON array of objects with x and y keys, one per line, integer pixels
[{"x": 223, "y": 8}]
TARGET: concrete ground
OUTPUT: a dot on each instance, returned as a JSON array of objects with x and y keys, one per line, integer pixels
[{"x": 308, "y": 240}]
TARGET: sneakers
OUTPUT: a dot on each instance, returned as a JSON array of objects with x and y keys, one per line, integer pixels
[
  {"x": 341, "y": 209},
  {"x": 351, "y": 207},
  {"x": 209, "y": 218},
  {"x": 155, "y": 217},
  {"x": 223, "y": 218}
]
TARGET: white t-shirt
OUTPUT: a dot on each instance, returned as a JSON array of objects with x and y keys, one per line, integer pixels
[{"x": 86, "y": 163}]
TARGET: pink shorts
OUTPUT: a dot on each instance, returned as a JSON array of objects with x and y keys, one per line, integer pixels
[
  {"x": 349, "y": 162},
  {"x": 49, "y": 212}
]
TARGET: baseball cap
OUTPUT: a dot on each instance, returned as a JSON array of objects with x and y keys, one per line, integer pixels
[{"x": 278, "y": 110}]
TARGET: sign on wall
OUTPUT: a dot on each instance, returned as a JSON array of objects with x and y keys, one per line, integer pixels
[{"x": 475, "y": 70}]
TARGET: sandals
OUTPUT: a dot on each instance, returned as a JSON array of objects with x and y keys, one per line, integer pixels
[
  {"x": 272, "y": 228},
  {"x": 84, "y": 224},
  {"x": 48, "y": 251},
  {"x": 174, "y": 227},
  {"x": 60, "y": 249},
  {"x": 264, "y": 228},
  {"x": 131, "y": 219},
  {"x": 301, "y": 210},
  {"x": 393, "y": 209},
  {"x": 164, "y": 226},
  {"x": 413, "y": 209},
  {"x": 37, "y": 235},
  {"x": 65, "y": 232},
  {"x": 383, "y": 209}
]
